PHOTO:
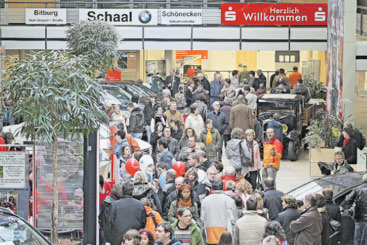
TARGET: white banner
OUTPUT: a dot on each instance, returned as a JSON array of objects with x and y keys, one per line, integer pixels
[
  {"x": 12, "y": 170},
  {"x": 45, "y": 16},
  {"x": 120, "y": 16},
  {"x": 181, "y": 17}
]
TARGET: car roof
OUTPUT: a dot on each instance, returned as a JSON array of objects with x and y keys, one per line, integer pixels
[{"x": 280, "y": 97}]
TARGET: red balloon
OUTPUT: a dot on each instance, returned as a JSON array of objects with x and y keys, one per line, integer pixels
[
  {"x": 132, "y": 166},
  {"x": 190, "y": 72},
  {"x": 180, "y": 168}
]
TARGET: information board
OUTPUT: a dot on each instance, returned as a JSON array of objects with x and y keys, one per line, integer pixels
[{"x": 12, "y": 170}]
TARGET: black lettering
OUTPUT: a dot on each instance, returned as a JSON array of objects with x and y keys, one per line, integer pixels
[
  {"x": 91, "y": 15},
  {"x": 100, "y": 17},
  {"x": 107, "y": 17},
  {"x": 116, "y": 18}
]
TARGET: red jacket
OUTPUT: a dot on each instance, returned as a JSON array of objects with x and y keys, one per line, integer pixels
[
  {"x": 227, "y": 177},
  {"x": 277, "y": 147}
]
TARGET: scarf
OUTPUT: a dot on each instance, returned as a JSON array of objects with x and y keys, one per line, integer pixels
[
  {"x": 250, "y": 147},
  {"x": 209, "y": 138},
  {"x": 346, "y": 141},
  {"x": 185, "y": 204}
]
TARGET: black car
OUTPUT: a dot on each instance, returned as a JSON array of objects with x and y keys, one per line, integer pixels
[
  {"x": 342, "y": 185},
  {"x": 15, "y": 230},
  {"x": 134, "y": 88},
  {"x": 290, "y": 108}
]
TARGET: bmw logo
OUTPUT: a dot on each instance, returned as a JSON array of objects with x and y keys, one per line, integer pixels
[{"x": 145, "y": 16}]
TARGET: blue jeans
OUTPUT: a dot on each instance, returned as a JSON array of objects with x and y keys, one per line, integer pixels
[
  {"x": 149, "y": 132},
  {"x": 137, "y": 135},
  {"x": 358, "y": 229}
]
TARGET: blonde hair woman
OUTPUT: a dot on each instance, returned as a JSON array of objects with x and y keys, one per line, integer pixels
[
  {"x": 252, "y": 151},
  {"x": 244, "y": 189}
]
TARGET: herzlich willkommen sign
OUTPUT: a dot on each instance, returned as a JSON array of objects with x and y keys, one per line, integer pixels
[
  {"x": 181, "y": 17},
  {"x": 45, "y": 16}
]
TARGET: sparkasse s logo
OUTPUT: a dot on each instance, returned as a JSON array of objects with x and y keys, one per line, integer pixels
[
  {"x": 230, "y": 15},
  {"x": 320, "y": 15},
  {"x": 145, "y": 16}
]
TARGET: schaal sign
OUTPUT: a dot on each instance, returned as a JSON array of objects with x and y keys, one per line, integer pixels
[
  {"x": 120, "y": 16},
  {"x": 274, "y": 14}
]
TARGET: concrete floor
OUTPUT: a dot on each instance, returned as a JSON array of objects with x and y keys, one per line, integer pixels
[{"x": 290, "y": 174}]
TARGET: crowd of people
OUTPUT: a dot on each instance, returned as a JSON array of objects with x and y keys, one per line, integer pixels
[{"x": 186, "y": 195}]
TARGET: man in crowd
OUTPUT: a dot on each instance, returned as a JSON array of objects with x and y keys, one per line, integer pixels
[
  {"x": 301, "y": 89},
  {"x": 205, "y": 162},
  {"x": 294, "y": 76},
  {"x": 217, "y": 213},
  {"x": 162, "y": 169},
  {"x": 250, "y": 229},
  {"x": 250, "y": 98},
  {"x": 340, "y": 165},
  {"x": 219, "y": 122},
  {"x": 277, "y": 126},
  {"x": 273, "y": 149},
  {"x": 289, "y": 213},
  {"x": 333, "y": 211},
  {"x": 172, "y": 82},
  {"x": 281, "y": 75},
  {"x": 126, "y": 208},
  {"x": 194, "y": 162},
  {"x": 358, "y": 199},
  {"x": 241, "y": 115},
  {"x": 165, "y": 190},
  {"x": 173, "y": 113},
  {"x": 149, "y": 112},
  {"x": 261, "y": 76},
  {"x": 234, "y": 78},
  {"x": 357, "y": 136},
  {"x": 215, "y": 88},
  {"x": 272, "y": 198},
  {"x": 244, "y": 74},
  {"x": 205, "y": 186},
  {"x": 201, "y": 80},
  {"x": 164, "y": 156},
  {"x": 172, "y": 142},
  {"x": 308, "y": 227},
  {"x": 165, "y": 235},
  {"x": 136, "y": 121},
  {"x": 185, "y": 151}
]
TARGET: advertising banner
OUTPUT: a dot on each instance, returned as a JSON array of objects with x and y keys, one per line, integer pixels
[
  {"x": 335, "y": 44},
  {"x": 181, "y": 17},
  {"x": 120, "y": 17},
  {"x": 181, "y": 53},
  {"x": 12, "y": 170},
  {"x": 45, "y": 16},
  {"x": 265, "y": 14}
]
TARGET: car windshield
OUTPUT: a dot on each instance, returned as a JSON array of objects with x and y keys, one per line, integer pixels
[
  {"x": 15, "y": 231},
  {"x": 118, "y": 93},
  {"x": 276, "y": 106},
  {"x": 142, "y": 92}
]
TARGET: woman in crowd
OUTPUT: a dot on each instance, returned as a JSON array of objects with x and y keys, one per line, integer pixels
[
  {"x": 185, "y": 229},
  {"x": 289, "y": 214},
  {"x": 233, "y": 151},
  {"x": 156, "y": 135},
  {"x": 263, "y": 212},
  {"x": 244, "y": 189},
  {"x": 184, "y": 141},
  {"x": 180, "y": 98},
  {"x": 252, "y": 148},
  {"x": 228, "y": 90},
  {"x": 176, "y": 130},
  {"x": 194, "y": 120},
  {"x": 212, "y": 140},
  {"x": 142, "y": 189},
  {"x": 126, "y": 154},
  {"x": 189, "y": 92},
  {"x": 191, "y": 178},
  {"x": 349, "y": 146},
  {"x": 147, "y": 238},
  {"x": 185, "y": 198},
  {"x": 273, "y": 228},
  {"x": 132, "y": 237},
  {"x": 158, "y": 117}
]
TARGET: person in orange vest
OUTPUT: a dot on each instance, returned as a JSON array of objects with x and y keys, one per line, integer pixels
[
  {"x": 153, "y": 217},
  {"x": 273, "y": 149},
  {"x": 294, "y": 76}
]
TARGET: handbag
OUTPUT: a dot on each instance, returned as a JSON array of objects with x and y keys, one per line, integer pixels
[
  {"x": 259, "y": 186},
  {"x": 245, "y": 161}
]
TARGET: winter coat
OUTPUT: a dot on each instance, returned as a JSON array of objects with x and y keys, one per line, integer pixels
[
  {"x": 144, "y": 190},
  {"x": 273, "y": 202},
  {"x": 257, "y": 159},
  {"x": 359, "y": 197},
  {"x": 241, "y": 117},
  {"x": 196, "y": 235},
  {"x": 104, "y": 217},
  {"x": 357, "y": 136},
  {"x": 127, "y": 208},
  {"x": 169, "y": 115},
  {"x": 203, "y": 109},
  {"x": 166, "y": 157},
  {"x": 233, "y": 153},
  {"x": 211, "y": 150},
  {"x": 228, "y": 92},
  {"x": 215, "y": 88},
  {"x": 350, "y": 151},
  {"x": 132, "y": 142},
  {"x": 224, "y": 209},
  {"x": 251, "y": 101},
  {"x": 176, "y": 134},
  {"x": 304, "y": 91},
  {"x": 183, "y": 142},
  {"x": 278, "y": 129},
  {"x": 226, "y": 110},
  {"x": 136, "y": 122},
  {"x": 285, "y": 218},
  {"x": 195, "y": 122},
  {"x": 270, "y": 160},
  {"x": 189, "y": 97},
  {"x": 277, "y": 80},
  {"x": 180, "y": 100},
  {"x": 149, "y": 112},
  {"x": 173, "y": 211},
  {"x": 219, "y": 121},
  {"x": 158, "y": 118},
  {"x": 173, "y": 146},
  {"x": 343, "y": 169},
  {"x": 326, "y": 228},
  {"x": 308, "y": 227},
  {"x": 250, "y": 229},
  {"x": 226, "y": 178},
  {"x": 244, "y": 74},
  {"x": 150, "y": 225}
]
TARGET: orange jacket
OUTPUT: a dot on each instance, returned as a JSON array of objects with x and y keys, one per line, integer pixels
[
  {"x": 132, "y": 142},
  {"x": 277, "y": 147},
  {"x": 294, "y": 76},
  {"x": 150, "y": 226}
]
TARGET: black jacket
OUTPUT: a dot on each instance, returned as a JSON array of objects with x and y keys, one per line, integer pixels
[
  {"x": 358, "y": 137},
  {"x": 273, "y": 202},
  {"x": 163, "y": 194},
  {"x": 285, "y": 218},
  {"x": 149, "y": 112},
  {"x": 125, "y": 214},
  {"x": 358, "y": 196},
  {"x": 350, "y": 151},
  {"x": 136, "y": 122},
  {"x": 174, "y": 84},
  {"x": 176, "y": 134},
  {"x": 205, "y": 84},
  {"x": 333, "y": 210},
  {"x": 189, "y": 97},
  {"x": 104, "y": 216},
  {"x": 219, "y": 121}
]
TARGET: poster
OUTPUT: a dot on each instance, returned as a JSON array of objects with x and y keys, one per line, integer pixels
[
  {"x": 158, "y": 66},
  {"x": 335, "y": 58},
  {"x": 12, "y": 170}
]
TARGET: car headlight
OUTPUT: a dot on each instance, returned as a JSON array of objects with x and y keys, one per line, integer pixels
[{"x": 285, "y": 128}]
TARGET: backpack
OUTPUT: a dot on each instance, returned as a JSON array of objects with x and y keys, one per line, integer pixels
[{"x": 245, "y": 161}]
